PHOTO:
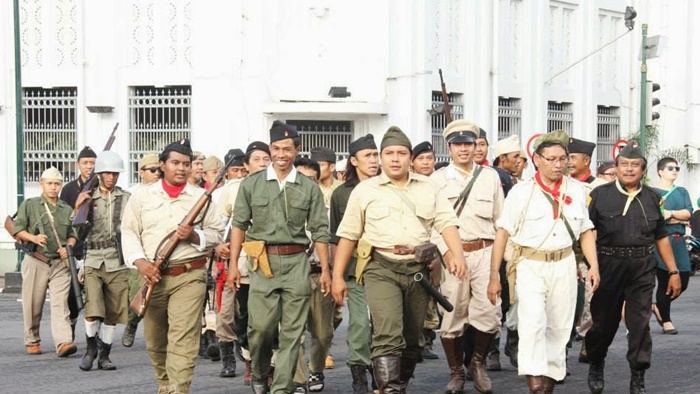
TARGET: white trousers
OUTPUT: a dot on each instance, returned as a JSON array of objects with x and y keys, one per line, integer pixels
[{"x": 546, "y": 293}]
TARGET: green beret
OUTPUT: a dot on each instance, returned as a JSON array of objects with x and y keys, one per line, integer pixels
[
  {"x": 556, "y": 137},
  {"x": 394, "y": 136}
]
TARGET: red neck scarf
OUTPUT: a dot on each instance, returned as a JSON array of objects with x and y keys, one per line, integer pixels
[
  {"x": 484, "y": 163},
  {"x": 585, "y": 176},
  {"x": 173, "y": 191},
  {"x": 554, "y": 192}
]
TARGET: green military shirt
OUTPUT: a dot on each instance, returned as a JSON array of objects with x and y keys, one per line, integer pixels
[
  {"x": 280, "y": 214},
  {"x": 32, "y": 217},
  {"x": 107, "y": 212}
]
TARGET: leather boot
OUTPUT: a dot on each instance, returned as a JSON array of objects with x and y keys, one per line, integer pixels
[
  {"x": 477, "y": 367},
  {"x": 548, "y": 384},
  {"x": 359, "y": 379},
  {"x": 387, "y": 371},
  {"x": 213, "y": 347},
  {"x": 511, "y": 348},
  {"x": 203, "y": 345},
  {"x": 229, "y": 360},
  {"x": 103, "y": 361},
  {"x": 408, "y": 365},
  {"x": 493, "y": 360},
  {"x": 454, "y": 352},
  {"x": 535, "y": 384},
  {"x": 596, "y": 377},
  {"x": 637, "y": 382},
  {"x": 259, "y": 386},
  {"x": 90, "y": 354}
]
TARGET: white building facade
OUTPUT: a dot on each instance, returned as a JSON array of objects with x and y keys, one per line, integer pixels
[{"x": 220, "y": 72}]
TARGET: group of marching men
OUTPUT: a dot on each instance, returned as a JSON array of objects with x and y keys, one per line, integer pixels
[{"x": 288, "y": 240}]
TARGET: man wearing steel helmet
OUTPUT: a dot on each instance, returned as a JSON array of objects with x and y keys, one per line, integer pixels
[{"x": 106, "y": 276}]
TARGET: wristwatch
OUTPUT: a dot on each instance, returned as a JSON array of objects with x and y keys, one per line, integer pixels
[{"x": 674, "y": 272}]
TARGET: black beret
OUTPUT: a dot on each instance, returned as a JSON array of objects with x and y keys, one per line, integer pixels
[
  {"x": 579, "y": 146},
  {"x": 87, "y": 152},
  {"x": 182, "y": 146},
  {"x": 423, "y": 147},
  {"x": 362, "y": 143},
  {"x": 237, "y": 155},
  {"x": 482, "y": 134},
  {"x": 257, "y": 145},
  {"x": 632, "y": 152},
  {"x": 280, "y": 131},
  {"x": 321, "y": 153}
]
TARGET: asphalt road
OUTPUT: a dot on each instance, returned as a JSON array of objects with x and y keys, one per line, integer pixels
[{"x": 675, "y": 362}]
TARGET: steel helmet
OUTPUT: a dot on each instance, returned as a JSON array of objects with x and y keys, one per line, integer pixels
[{"x": 108, "y": 161}]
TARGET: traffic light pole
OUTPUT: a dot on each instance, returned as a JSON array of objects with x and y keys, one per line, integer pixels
[
  {"x": 643, "y": 90},
  {"x": 18, "y": 118}
]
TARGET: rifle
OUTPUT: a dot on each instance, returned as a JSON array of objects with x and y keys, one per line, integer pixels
[
  {"x": 143, "y": 297},
  {"x": 26, "y": 247},
  {"x": 75, "y": 283},
  {"x": 446, "y": 105},
  {"x": 424, "y": 253},
  {"x": 81, "y": 218}
]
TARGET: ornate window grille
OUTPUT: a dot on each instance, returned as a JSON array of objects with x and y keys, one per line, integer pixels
[
  {"x": 50, "y": 132},
  {"x": 560, "y": 116},
  {"x": 157, "y": 117},
  {"x": 438, "y": 122},
  {"x": 335, "y": 135},
  {"x": 608, "y": 132},
  {"x": 509, "y": 117}
]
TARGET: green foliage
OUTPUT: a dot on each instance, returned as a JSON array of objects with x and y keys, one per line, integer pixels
[{"x": 654, "y": 153}]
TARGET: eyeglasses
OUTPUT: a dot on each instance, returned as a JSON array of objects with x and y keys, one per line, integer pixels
[
  {"x": 672, "y": 168},
  {"x": 608, "y": 173},
  {"x": 554, "y": 160},
  {"x": 153, "y": 170}
]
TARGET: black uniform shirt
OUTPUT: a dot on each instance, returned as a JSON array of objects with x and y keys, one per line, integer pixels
[
  {"x": 641, "y": 226},
  {"x": 71, "y": 191},
  {"x": 506, "y": 180}
]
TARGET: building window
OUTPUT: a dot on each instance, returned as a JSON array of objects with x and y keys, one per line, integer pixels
[
  {"x": 157, "y": 117},
  {"x": 560, "y": 116},
  {"x": 608, "y": 132},
  {"x": 509, "y": 117},
  {"x": 438, "y": 121},
  {"x": 50, "y": 132},
  {"x": 335, "y": 135}
]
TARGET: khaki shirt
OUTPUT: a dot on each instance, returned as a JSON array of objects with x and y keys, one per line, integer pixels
[
  {"x": 279, "y": 212},
  {"x": 150, "y": 215},
  {"x": 482, "y": 208},
  {"x": 377, "y": 213},
  {"x": 32, "y": 218},
  {"x": 328, "y": 192},
  {"x": 102, "y": 230},
  {"x": 226, "y": 202},
  {"x": 528, "y": 216}
]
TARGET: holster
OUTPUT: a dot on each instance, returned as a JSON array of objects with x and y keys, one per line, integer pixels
[
  {"x": 256, "y": 250},
  {"x": 364, "y": 255}
]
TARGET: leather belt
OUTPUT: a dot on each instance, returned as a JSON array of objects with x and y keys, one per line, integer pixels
[
  {"x": 181, "y": 269},
  {"x": 473, "y": 246},
  {"x": 545, "y": 256},
  {"x": 397, "y": 249},
  {"x": 101, "y": 244},
  {"x": 284, "y": 250},
  {"x": 626, "y": 251}
]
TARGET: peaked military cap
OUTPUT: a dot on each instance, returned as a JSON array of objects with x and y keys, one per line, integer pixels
[
  {"x": 362, "y": 143},
  {"x": 580, "y": 146},
  {"x": 280, "y": 131},
  {"x": 321, "y": 153},
  {"x": 460, "y": 131},
  {"x": 423, "y": 147}
]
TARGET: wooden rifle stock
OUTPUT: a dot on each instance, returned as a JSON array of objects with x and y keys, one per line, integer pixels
[
  {"x": 445, "y": 100},
  {"x": 81, "y": 217},
  {"x": 143, "y": 297}
]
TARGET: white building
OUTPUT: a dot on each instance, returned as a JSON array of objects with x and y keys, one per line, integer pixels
[{"x": 222, "y": 71}]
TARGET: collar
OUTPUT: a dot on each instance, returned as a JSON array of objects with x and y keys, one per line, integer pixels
[
  {"x": 630, "y": 195},
  {"x": 157, "y": 188},
  {"x": 272, "y": 175},
  {"x": 412, "y": 176},
  {"x": 453, "y": 172},
  {"x": 117, "y": 191}
]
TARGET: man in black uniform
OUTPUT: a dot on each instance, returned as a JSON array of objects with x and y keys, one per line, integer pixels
[
  {"x": 69, "y": 194},
  {"x": 630, "y": 225}
]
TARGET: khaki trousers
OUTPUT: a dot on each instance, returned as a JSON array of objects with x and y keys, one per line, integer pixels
[
  {"x": 37, "y": 277},
  {"x": 225, "y": 319},
  {"x": 472, "y": 306},
  {"x": 172, "y": 327}
]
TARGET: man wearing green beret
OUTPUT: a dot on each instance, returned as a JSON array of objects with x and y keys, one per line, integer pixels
[{"x": 394, "y": 212}]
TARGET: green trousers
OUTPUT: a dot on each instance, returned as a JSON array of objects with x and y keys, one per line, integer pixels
[
  {"x": 172, "y": 327},
  {"x": 359, "y": 336},
  {"x": 283, "y": 301},
  {"x": 398, "y": 306}
]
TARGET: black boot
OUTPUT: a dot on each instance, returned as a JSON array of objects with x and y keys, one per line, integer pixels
[
  {"x": 637, "y": 382},
  {"x": 493, "y": 360},
  {"x": 213, "y": 346},
  {"x": 408, "y": 365},
  {"x": 387, "y": 372},
  {"x": 229, "y": 360},
  {"x": 90, "y": 354},
  {"x": 103, "y": 361},
  {"x": 259, "y": 386},
  {"x": 359, "y": 379},
  {"x": 511, "y": 348},
  {"x": 203, "y": 345},
  {"x": 596, "y": 377},
  {"x": 428, "y": 353}
]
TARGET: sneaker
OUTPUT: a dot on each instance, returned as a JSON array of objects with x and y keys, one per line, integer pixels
[
  {"x": 316, "y": 382},
  {"x": 66, "y": 349},
  {"x": 300, "y": 388},
  {"x": 33, "y": 349},
  {"x": 329, "y": 362}
]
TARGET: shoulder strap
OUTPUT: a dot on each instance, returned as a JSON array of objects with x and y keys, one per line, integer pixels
[
  {"x": 467, "y": 190},
  {"x": 561, "y": 215},
  {"x": 410, "y": 205},
  {"x": 668, "y": 193}
]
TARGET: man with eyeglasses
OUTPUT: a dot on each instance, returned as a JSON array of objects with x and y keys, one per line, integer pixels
[
  {"x": 629, "y": 226},
  {"x": 544, "y": 217},
  {"x": 607, "y": 171}
]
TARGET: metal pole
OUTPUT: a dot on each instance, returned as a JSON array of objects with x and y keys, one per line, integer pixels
[
  {"x": 18, "y": 117},
  {"x": 643, "y": 89}
]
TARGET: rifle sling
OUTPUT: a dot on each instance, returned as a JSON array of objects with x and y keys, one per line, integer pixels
[
  {"x": 574, "y": 241},
  {"x": 462, "y": 199}
]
